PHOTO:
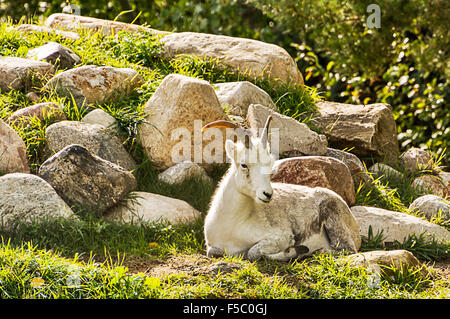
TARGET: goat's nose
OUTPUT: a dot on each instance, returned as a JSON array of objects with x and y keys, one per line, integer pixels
[{"x": 268, "y": 195}]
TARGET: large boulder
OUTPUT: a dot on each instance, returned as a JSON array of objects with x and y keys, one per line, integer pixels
[
  {"x": 250, "y": 57},
  {"x": 370, "y": 130},
  {"x": 106, "y": 27},
  {"x": 86, "y": 180},
  {"x": 236, "y": 97},
  {"x": 177, "y": 110},
  {"x": 95, "y": 84},
  {"x": 316, "y": 171},
  {"x": 430, "y": 206},
  {"x": 13, "y": 151},
  {"x": 148, "y": 207},
  {"x": 17, "y": 73},
  {"x": 29, "y": 198},
  {"x": 294, "y": 138},
  {"x": 96, "y": 138},
  {"x": 40, "y": 111},
  {"x": 56, "y": 54},
  {"x": 396, "y": 226}
]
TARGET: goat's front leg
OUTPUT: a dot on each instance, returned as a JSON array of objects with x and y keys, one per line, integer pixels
[
  {"x": 275, "y": 248},
  {"x": 214, "y": 251}
]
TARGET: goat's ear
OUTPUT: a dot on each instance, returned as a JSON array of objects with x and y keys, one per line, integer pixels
[{"x": 230, "y": 149}]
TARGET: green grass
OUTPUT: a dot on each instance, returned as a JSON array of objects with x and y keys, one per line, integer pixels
[
  {"x": 55, "y": 250},
  {"x": 27, "y": 272}
]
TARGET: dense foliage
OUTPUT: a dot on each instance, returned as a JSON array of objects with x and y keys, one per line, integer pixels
[{"x": 405, "y": 62}]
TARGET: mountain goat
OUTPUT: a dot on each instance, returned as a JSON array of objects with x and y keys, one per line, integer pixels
[{"x": 253, "y": 217}]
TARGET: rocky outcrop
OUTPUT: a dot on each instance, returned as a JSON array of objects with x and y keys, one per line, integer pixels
[
  {"x": 96, "y": 138},
  {"x": 95, "y": 84},
  {"x": 13, "y": 151},
  {"x": 396, "y": 226},
  {"x": 316, "y": 171},
  {"x": 86, "y": 180},
  {"x": 294, "y": 138},
  {"x": 148, "y": 207},
  {"x": 17, "y": 73},
  {"x": 28, "y": 198},
  {"x": 370, "y": 130},
  {"x": 56, "y": 54},
  {"x": 236, "y": 97},
  {"x": 169, "y": 134}
]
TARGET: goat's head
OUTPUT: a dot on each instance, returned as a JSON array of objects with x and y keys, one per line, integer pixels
[{"x": 251, "y": 161}]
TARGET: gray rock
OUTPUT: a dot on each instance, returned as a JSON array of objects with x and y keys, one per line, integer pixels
[
  {"x": 13, "y": 151},
  {"x": 430, "y": 184},
  {"x": 380, "y": 169},
  {"x": 16, "y": 73},
  {"x": 417, "y": 159},
  {"x": 399, "y": 259},
  {"x": 96, "y": 138},
  {"x": 32, "y": 28},
  {"x": 179, "y": 172},
  {"x": 56, "y": 54},
  {"x": 72, "y": 22},
  {"x": 355, "y": 165},
  {"x": 430, "y": 205},
  {"x": 148, "y": 207},
  {"x": 86, "y": 180},
  {"x": 250, "y": 57},
  {"x": 39, "y": 111},
  {"x": 28, "y": 198},
  {"x": 295, "y": 138},
  {"x": 95, "y": 84},
  {"x": 100, "y": 117},
  {"x": 395, "y": 225},
  {"x": 236, "y": 97}
]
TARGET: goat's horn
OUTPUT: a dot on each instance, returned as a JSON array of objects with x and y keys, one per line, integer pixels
[
  {"x": 220, "y": 123},
  {"x": 265, "y": 133}
]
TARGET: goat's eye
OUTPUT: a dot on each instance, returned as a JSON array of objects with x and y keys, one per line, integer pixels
[{"x": 244, "y": 166}]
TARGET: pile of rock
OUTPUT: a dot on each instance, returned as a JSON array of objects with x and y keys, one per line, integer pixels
[{"x": 88, "y": 166}]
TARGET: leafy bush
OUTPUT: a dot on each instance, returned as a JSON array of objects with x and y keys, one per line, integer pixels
[{"x": 405, "y": 62}]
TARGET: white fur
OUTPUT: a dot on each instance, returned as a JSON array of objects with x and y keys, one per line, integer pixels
[{"x": 243, "y": 219}]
